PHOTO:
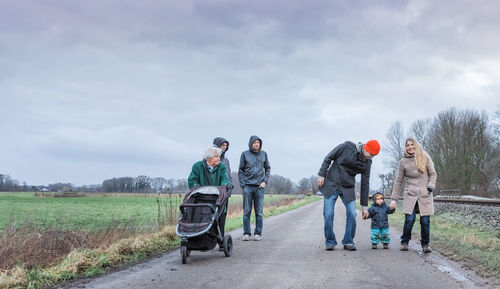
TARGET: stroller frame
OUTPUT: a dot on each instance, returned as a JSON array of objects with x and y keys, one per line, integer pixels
[{"x": 202, "y": 236}]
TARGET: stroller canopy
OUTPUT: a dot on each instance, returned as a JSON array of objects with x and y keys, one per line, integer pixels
[{"x": 207, "y": 190}]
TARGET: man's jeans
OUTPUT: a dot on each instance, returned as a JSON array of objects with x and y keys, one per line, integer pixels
[
  {"x": 350, "y": 224},
  {"x": 252, "y": 195},
  {"x": 425, "y": 226}
]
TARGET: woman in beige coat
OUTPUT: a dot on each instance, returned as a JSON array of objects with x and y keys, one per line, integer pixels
[{"x": 418, "y": 169}]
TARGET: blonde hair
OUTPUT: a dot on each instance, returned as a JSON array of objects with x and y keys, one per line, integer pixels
[{"x": 420, "y": 155}]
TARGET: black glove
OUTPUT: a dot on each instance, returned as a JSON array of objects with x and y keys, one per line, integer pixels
[{"x": 429, "y": 191}]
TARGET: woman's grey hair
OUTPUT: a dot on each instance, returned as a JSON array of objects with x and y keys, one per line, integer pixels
[{"x": 211, "y": 152}]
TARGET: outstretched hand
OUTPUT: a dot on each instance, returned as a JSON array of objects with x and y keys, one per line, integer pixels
[{"x": 392, "y": 206}]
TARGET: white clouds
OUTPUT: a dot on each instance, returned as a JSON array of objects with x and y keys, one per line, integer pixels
[
  {"x": 125, "y": 144},
  {"x": 135, "y": 88}
]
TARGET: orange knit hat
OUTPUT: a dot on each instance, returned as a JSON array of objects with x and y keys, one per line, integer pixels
[{"x": 372, "y": 146}]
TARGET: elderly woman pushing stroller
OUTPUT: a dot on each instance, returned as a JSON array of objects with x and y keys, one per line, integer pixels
[{"x": 211, "y": 172}]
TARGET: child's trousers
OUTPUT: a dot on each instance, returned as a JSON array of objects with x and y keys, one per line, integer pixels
[{"x": 380, "y": 235}]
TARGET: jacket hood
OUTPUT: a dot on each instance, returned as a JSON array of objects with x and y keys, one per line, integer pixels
[
  {"x": 252, "y": 139},
  {"x": 218, "y": 141},
  {"x": 376, "y": 193}
]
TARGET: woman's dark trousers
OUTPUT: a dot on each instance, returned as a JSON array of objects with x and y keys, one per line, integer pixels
[{"x": 425, "y": 224}]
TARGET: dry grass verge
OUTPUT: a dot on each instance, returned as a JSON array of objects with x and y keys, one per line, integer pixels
[
  {"x": 88, "y": 261},
  {"x": 40, "y": 258}
]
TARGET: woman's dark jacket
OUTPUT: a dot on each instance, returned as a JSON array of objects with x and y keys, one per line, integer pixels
[{"x": 339, "y": 168}]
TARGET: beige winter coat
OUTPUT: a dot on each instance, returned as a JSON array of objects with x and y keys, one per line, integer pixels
[{"x": 415, "y": 189}]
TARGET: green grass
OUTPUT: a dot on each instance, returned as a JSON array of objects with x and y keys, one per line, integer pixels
[
  {"x": 93, "y": 262},
  {"x": 85, "y": 213},
  {"x": 93, "y": 212}
]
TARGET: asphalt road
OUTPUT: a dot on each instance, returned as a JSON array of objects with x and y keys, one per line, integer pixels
[{"x": 292, "y": 255}]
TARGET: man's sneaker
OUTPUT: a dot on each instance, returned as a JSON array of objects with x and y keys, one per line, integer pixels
[
  {"x": 245, "y": 237},
  {"x": 329, "y": 247},
  {"x": 221, "y": 248},
  {"x": 426, "y": 249},
  {"x": 350, "y": 248},
  {"x": 374, "y": 246},
  {"x": 257, "y": 237},
  {"x": 404, "y": 247},
  {"x": 386, "y": 246}
]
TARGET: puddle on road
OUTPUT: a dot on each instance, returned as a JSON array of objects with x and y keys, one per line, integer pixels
[{"x": 454, "y": 274}]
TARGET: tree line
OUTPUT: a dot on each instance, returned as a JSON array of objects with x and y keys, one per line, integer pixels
[
  {"x": 152, "y": 185},
  {"x": 463, "y": 144}
]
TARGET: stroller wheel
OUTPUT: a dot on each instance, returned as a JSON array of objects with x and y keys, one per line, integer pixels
[
  {"x": 228, "y": 245},
  {"x": 184, "y": 254}
]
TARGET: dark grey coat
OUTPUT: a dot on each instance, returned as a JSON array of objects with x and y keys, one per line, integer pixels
[
  {"x": 378, "y": 214},
  {"x": 339, "y": 168},
  {"x": 254, "y": 165}
]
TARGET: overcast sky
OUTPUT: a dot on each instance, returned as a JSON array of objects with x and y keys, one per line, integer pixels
[{"x": 92, "y": 90}]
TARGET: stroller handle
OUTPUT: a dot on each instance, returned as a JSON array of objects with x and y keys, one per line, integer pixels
[{"x": 212, "y": 207}]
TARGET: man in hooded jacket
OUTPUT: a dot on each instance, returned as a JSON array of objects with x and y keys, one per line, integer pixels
[
  {"x": 253, "y": 175},
  {"x": 223, "y": 145}
]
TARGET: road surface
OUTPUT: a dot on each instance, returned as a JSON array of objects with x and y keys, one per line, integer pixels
[{"x": 292, "y": 255}]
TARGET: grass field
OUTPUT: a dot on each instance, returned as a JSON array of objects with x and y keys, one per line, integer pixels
[
  {"x": 46, "y": 240},
  {"x": 94, "y": 213}
]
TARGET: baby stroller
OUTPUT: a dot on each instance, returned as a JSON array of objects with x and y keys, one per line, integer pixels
[{"x": 201, "y": 212}]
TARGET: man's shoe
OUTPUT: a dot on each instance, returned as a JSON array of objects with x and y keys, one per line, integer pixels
[
  {"x": 404, "y": 247},
  {"x": 426, "y": 249},
  {"x": 374, "y": 246},
  {"x": 350, "y": 248},
  {"x": 386, "y": 246},
  {"x": 257, "y": 237},
  {"x": 329, "y": 247},
  {"x": 245, "y": 237},
  {"x": 221, "y": 248}
]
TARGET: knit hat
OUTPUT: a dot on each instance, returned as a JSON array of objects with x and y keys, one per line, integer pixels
[{"x": 372, "y": 146}]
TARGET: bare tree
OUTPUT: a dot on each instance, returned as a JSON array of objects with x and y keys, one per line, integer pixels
[
  {"x": 313, "y": 181},
  {"x": 304, "y": 186},
  {"x": 394, "y": 145},
  {"x": 461, "y": 145},
  {"x": 158, "y": 184},
  {"x": 142, "y": 184},
  {"x": 420, "y": 131},
  {"x": 387, "y": 181},
  {"x": 279, "y": 185}
]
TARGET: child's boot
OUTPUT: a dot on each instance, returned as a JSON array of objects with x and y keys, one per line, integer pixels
[
  {"x": 374, "y": 246},
  {"x": 386, "y": 246}
]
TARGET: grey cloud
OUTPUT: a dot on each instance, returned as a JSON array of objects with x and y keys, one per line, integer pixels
[{"x": 79, "y": 78}]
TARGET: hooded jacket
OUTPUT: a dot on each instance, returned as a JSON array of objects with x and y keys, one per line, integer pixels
[
  {"x": 378, "y": 214},
  {"x": 339, "y": 168},
  {"x": 202, "y": 176},
  {"x": 218, "y": 141},
  {"x": 254, "y": 165}
]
